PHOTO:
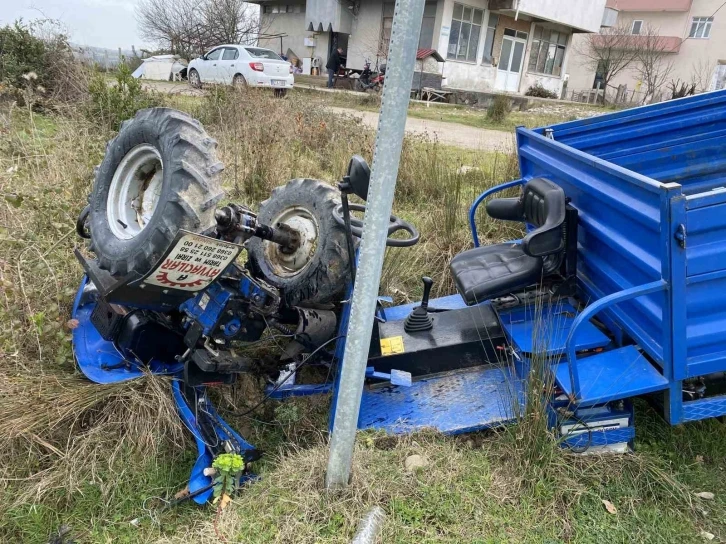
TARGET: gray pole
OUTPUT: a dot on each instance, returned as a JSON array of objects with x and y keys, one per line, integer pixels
[{"x": 405, "y": 31}]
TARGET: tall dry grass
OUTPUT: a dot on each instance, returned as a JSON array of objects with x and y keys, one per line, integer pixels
[{"x": 57, "y": 431}]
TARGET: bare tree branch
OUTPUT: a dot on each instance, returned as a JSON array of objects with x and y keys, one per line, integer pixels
[
  {"x": 609, "y": 52},
  {"x": 654, "y": 60},
  {"x": 191, "y": 27}
]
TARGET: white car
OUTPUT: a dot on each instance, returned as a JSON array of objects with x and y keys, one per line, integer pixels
[{"x": 241, "y": 65}]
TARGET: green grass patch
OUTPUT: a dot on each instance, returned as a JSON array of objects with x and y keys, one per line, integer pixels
[{"x": 95, "y": 457}]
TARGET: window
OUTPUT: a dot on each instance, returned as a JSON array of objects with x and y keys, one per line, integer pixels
[
  {"x": 259, "y": 53},
  {"x": 214, "y": 54},
  {"x": 230, "y": 53},
  {"x": 548, "y": 51},
  {"x": 464, "y": 34},
  {"x": 489, "y": 39},
  {"x": 426, "y": 36},
  {"x": 637, "y": 25},
  {"x": 701, "y": 27}
]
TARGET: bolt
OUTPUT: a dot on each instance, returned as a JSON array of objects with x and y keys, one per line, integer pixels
[
  {"x": 243, "y": 330},
  {"x": 230, "y": 312},
  {"x": 165, "y": 291},
  {"x": 143, "y": 285}
]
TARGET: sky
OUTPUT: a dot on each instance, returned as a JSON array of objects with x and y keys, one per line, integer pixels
[{"x": 101, "y": 23}]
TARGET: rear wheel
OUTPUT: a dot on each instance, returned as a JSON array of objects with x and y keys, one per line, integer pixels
[
  {"x": 194, "y": 79},
  {"x": 318, "y": 271},
  {"x": 159, "y": 175},
  {"x": 239, "y": 81}
]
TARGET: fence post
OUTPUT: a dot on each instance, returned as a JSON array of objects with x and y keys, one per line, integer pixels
[{"x": 405, "y": 31}]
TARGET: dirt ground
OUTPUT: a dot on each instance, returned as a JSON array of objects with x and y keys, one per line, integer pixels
[{"x": 453, "y": 134}]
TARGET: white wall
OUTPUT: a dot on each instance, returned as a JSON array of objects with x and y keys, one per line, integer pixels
[
  {"x": 696, "y": 58},
  {"x": 581, "y": 14},
  {"x": 365, "y": 36},
  {"x": 293, "y": 24}
]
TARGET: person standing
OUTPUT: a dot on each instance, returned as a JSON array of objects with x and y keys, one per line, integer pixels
[{"x": 334, "y": 63}]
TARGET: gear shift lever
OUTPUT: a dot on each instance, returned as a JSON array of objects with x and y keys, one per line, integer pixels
[{"x": 419, "y": 319}]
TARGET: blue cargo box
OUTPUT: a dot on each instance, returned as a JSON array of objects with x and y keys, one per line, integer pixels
[{"x": 649, "y": 184}]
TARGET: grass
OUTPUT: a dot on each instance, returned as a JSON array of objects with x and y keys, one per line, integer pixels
[
  {"x": 541, "y": 114},
  {"x": 97, "y": 457}
]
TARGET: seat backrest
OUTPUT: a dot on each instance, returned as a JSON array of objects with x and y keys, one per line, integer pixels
[
  {"x": 542, "y": 199},
  {"x": 543, "y": 205}
]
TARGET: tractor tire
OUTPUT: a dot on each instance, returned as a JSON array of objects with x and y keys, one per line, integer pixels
[
  {"x": 319, "y": 271},
  {"x": 160, "y": 174}
]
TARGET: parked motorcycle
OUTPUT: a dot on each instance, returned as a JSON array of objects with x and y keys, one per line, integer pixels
[{"x": 369, "y": 79}]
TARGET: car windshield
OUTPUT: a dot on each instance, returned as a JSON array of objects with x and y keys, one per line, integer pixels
[{"x": 258, "y": 53}]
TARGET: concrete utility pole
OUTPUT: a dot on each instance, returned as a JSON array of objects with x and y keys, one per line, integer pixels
[{"x": 405, "y": 31}]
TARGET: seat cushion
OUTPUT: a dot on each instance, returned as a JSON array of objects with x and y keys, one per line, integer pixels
[{"x": 492, "y": 271}]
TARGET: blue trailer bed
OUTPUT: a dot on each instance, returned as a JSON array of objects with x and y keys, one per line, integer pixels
[{"x": 650, "y": 187}]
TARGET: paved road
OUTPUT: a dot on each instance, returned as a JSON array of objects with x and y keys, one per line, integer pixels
[{"x": 452, "y": 134}]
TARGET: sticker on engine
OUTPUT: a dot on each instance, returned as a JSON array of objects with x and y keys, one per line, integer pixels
[
  {"x": 193, "y": 263},
  {"x": 392, "y": 345}
]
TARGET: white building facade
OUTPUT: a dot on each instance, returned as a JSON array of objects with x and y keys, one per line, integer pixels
[
  {"x": 693, "y": 30},
  {"x": 488, "y": 45}
]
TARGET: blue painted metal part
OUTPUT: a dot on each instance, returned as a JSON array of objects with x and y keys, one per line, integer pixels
[
  {"x": 546, "y": 329},
  {"x": 197, "y": 479},
  {"x": 480, "y": 199},
  {"x": 611, "y": 375},
  {"x": 397, "y": 313},
  {"x": 207, "y": 306},
  {"x": 590, "y": 312},
  {"x": 458, "y": 402},
  {"x": 298, "y": 390},
  {"x": 100, "y": 360},
  {"x": 205, "y": 455}
]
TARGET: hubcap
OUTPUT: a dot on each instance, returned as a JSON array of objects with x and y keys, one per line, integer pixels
[
  {"x": 134, "y": 192},
  {"x": 293, "y": 263}
]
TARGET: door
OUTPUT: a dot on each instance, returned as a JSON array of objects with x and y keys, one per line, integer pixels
[
  {"x": 510, "y": 60},
  {"x": 227, "y": 65},
  {"x": 207, "y": 68}
]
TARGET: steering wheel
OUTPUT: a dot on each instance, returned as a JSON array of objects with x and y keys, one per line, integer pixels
[{"x": 395, "y": 224}]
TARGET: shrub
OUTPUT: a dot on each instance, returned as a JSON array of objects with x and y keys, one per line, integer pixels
[
  {"x": 37, "y": 57},
  {"x": 499, "y": 108},
  {"x": 112, "y": 102},
  {"x": 538, "y": 91}
]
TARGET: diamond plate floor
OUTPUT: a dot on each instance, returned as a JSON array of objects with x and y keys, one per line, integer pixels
[{"x": 457, "y": 402}]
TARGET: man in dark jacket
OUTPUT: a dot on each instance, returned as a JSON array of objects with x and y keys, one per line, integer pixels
[{"x": 334, "y": 63}]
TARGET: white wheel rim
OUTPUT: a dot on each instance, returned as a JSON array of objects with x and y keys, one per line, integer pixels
[
  {"x": 135, "y": 190},
  {"x": 291, "y": 264},
  {"x": 195, "y": 77}
]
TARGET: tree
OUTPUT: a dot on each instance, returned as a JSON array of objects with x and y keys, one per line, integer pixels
[
  {"x": 654, "y": 63},
  {"x": 609, "y": 52},
  {"x": 191, "y": 27}
]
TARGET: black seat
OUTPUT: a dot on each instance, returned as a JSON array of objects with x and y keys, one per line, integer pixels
[{"x": 491, "y": 271}]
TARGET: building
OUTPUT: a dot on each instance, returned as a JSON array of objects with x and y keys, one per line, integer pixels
[
  {"x": 693, "y": 37},
  {"x": 505, "y": 45}
]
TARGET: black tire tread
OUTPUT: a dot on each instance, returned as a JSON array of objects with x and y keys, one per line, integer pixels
[
  {"x": 326, "y": 278},
  {"x": 192, "y": 169}
]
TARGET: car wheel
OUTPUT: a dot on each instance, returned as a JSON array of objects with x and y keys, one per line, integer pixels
[
  {"x": 239, "y": 81},
  {"x": 194, "y": 79},
  {"x": 280, "y": 93}
]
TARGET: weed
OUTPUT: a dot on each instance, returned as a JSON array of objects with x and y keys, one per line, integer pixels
[
  {"x": 111, "y": 104},
  {"x": 499, "y": 109},
  {"x": 539, "y": 91}
]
